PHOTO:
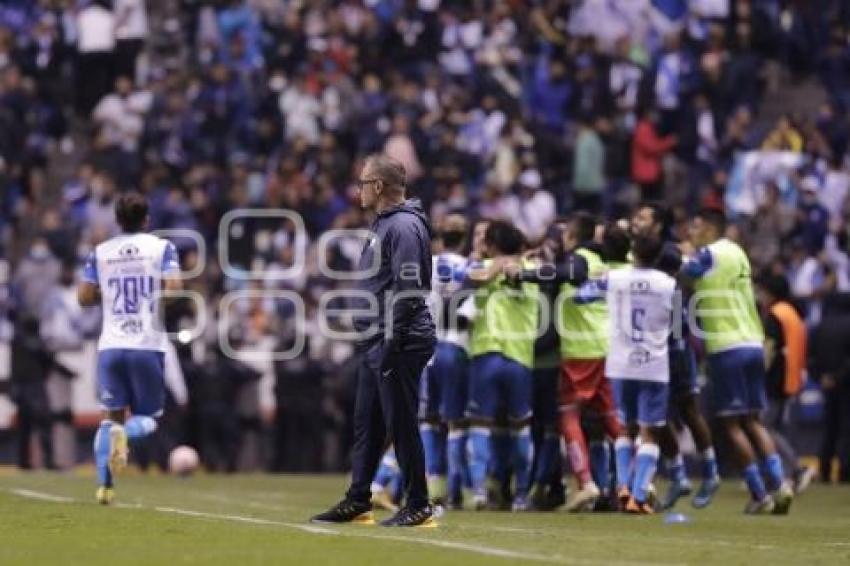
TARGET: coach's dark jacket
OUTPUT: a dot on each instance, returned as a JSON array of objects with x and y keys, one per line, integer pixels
[{"x": 402, "y": 237}]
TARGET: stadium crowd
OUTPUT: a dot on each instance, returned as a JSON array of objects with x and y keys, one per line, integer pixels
[{"x": 512, "y": 109}]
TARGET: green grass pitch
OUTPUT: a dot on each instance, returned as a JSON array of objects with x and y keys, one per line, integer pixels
[{"x": 253, "y": 519}]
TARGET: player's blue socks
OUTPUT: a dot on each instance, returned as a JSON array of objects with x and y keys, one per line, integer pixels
[
  {"x": 138, "y": 427},
  {"x": 624, "y": 450},
  {"x": 456, "y": 453},
  {"x": 646, "y": 462},
  {"x": 676, "y": 469},
  {"x": 523, "y": 456},
  {"x": 773, "y": 471},
  {"x": 387, "y": 470},
  {"x": 709, "y": 464},
  {"x": 479, "y": 458},
  {"x": 388, "y": 477},
  {"x": 600, "y": 464},
  {"x": 502, "y": 447},
  {"x": 547, "y": 457},
  {"x": 752, "y": 476},
  {"x": 433, "y": 443},
  {"x": 101, "y": 454}
]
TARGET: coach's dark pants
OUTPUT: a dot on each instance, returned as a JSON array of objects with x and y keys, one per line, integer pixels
[{"x": 385, "y": 412}]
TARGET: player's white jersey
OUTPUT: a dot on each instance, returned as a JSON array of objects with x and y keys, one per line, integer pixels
[
  {"x": 129, "y": 269},
  {"x": 449, "y": 272},
  {"x": 640, "y": 313}
]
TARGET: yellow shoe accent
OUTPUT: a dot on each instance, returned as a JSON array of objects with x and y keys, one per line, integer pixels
[
  {"x": 105, "y": 495},
  {"x": 430, "y": 523},
  {"x": 366, "y": 518},
  {"x": 382, "y": 500},
  {"x": 119, "y": 448}
]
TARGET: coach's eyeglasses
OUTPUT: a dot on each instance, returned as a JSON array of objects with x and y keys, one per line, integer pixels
[{"x": 363, "y": 182}]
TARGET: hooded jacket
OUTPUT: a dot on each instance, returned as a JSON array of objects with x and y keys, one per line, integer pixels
[{"x": 397, "y": 259}]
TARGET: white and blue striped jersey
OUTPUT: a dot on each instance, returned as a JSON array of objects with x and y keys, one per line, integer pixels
[
  {"x": 129, "y": 269},
  {"x": 449, "y": 273},
  {"x": 640, "y": 312}
]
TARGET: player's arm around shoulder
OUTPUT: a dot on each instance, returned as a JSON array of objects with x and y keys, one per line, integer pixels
[
  {"x": 594, "y": 290},
  {"x": 699, "y": 264},
  {"x": 480, "y": 274}
]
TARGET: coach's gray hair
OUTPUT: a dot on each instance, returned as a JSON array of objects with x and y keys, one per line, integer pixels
[{"x": 388, "y": 170}]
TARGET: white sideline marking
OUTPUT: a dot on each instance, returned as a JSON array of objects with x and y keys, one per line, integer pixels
[
  {"x": 242, "y": 502},
  {"x": 313, "y": 529},
  {"x": 41, "y": 496},
  {"x": 245, "y": 519},
  {"x": 558, "y": 531},
  {"x": 543, "y": 558},
  {"x": 502, "y": 553}
]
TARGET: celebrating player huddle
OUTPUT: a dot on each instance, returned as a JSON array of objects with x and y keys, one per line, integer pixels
[
  {"x": 591, "y": 338},
  {"x": 586, "y": 341}
]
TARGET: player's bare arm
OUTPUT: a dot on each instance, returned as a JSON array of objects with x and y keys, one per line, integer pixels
[{"x": 501, "y": 265}]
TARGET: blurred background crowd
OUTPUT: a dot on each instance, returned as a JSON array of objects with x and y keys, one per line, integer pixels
[{"x": 518, "y": 109}]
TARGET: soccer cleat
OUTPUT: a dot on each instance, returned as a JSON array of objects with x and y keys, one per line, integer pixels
[
  {"x": 422, "y": 517},
  {"x": 606, "y": 504},
  {"x": 623, "y": 497},
  {"x": 635, "y": 507},
  {"x": 347, "y": 511},
  {"x": 706, "y": 492},
  {"x": 496, "y": 498},
  {"x": 520, "y": 504},
  {"x": 382, "y": 500},
  {"x": 555, "y": 497},
  {"x": 105, "y": 495},
  {"x": 583, "y": 499},
  {"x": 675, "y": 491},
  {"x": 782, "y": 499},
  {"x": 803, "y": 478},
  {"x": 537, "y": 496},
  {"x": 119, "y": 449},
  {"x": 480, "y": 502},
  {"x": 764, "y": 506},
  {"x": 652, "y": 496},
  {"x": 542, "y": 498}
]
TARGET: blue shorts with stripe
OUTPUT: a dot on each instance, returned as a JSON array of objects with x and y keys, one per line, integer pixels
[
  {"x": 131, "y": 378},
  {"x": 738, "y": 381},
  {"x": 642, "y": 402},
  {"x": 495, "y": 382},
  {"x": 444, "y": 389}
]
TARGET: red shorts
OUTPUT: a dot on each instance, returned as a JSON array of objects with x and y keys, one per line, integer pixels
[{"x": 583, "y": 383}]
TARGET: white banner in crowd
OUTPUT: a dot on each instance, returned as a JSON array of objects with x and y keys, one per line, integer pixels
[{"x": 750, "y": 173}]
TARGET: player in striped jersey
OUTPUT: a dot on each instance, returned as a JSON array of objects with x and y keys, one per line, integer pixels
[
  {"x": 126, "y": 276},
  {"x": 654, "y": 219}
]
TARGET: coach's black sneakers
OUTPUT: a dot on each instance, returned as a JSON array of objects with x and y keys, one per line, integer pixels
[
  {"x": 782, "y": 499},
  {"x": 347, "y": 511},
  {"x": 408, "y": 517}
]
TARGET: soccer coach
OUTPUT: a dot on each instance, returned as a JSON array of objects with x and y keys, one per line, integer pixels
[{"x": 397, "y": 340}]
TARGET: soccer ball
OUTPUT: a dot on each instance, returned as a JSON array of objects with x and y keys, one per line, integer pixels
[{"x": 183, "y": 460}]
